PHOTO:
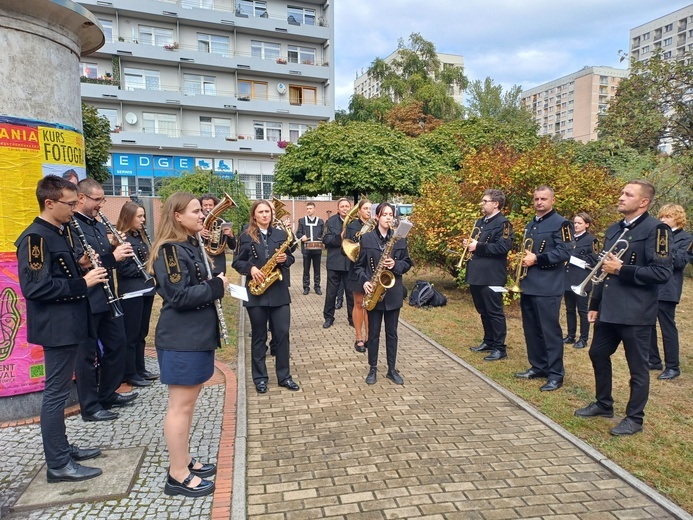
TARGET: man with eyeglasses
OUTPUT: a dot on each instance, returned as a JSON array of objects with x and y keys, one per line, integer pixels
[
  {"x": 487, "y": 269},
  {"x": 55, "y": 287},
  {"x": 97, "y": 393}
]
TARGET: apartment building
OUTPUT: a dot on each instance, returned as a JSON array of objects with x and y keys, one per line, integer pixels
[
  {"x": 218, "y": 84},
  {"x": 369, "y": 87},
  {"x": 569, "y": 107},
  {"x": 673, "y": 33}
]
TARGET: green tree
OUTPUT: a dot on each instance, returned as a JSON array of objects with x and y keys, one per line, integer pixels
[
  {"x": 368, "y": 109},
  {"x": 488, "y": 101},
  {"x": 97, "y": 142},
  {"x": 204, "y": 181},
  {"x": 351, "y": 159}
]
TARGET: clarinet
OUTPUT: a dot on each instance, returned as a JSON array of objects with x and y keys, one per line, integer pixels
[
  {"x": 146, "y": 235},
  {"x": 217, "y": 303},
  {"x": 120, "y": 240},
  {"x": 112, "y": 301}
]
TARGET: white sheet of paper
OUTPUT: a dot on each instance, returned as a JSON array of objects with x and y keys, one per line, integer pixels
[
  {"x": 238, "y": 291},
  {"x": 576, "y": 261},
  {"x": 136, "y": 294},
  {"x": 496, "y": 288}
]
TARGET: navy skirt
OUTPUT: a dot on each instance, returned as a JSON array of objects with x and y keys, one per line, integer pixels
[{"x": 185, "y": 368}]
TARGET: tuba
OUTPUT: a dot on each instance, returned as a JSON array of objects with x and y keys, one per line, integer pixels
[{"x": 216, "y": 242}]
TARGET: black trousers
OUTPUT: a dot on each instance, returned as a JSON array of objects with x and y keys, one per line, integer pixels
[
  {"x": 543, "y": 335},
  {"x": 636, "y": 341},
  {"x": 311, "y": 258},
  {"x": 375, "y": 319},
  {"x": 334, "y": 278},
  {"x": 572, "y": 302},
  {"x": 666, "y": 315},
  {"x": 96, "y": 390},
  {"x": 489, "y": 305},
  {"x": 340, "y": 291},
  {"x": 137, "y": 313},
  {"x": 60, "y": 365},
  {"x": 259, "y": 319}
]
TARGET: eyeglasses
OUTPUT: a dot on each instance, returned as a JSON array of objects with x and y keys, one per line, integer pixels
[
  {"x": 98, "y": 201},
  {"x": 73, "y": 204},
  {"x": 484, "y": 201}
]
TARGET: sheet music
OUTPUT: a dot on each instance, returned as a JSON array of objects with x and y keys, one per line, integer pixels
[
  {"x": 136, "y": 294},
  {"x": 238, "y": 291}
]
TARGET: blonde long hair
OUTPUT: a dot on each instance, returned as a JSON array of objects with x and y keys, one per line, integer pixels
[
  {"x": 127, "y": 217},
  {"x": 169, "y": 229}
]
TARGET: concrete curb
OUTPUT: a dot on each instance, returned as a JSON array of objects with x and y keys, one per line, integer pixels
[
  {"x": 596, "y": 455},
  {"x": 238, "y": 495}
]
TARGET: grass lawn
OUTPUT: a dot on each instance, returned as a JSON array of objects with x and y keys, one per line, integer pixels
[{"x": 662, "y": 455}]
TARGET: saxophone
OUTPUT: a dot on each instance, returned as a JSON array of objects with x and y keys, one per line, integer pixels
[{"x": 271, "y": 270}]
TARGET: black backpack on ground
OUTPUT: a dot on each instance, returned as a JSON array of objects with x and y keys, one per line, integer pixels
[{"x": 425, "y": 295}]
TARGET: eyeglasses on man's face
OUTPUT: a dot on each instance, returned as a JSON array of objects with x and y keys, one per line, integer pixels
[
  {"x": 72, "y": 204},
  {"x": 485, "y": 201},
  {"x": 100, "y": 200}
]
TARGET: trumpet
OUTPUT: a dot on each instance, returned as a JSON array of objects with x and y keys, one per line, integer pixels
[
  {"x": 116, "y": 234},
  {"x": 466, "y": 254},
  {"x": 595, "y": 276},
  {"x": 521, "y": 270}
]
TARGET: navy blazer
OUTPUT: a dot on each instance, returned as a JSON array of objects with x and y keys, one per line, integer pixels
[
  {"x": 129, "y": 276},
  {"x": 489, "y": 262},
  {"x": 587, "y": 249},
  {"x": 336, "y": 259},
  {"x": 671, "y": 290}
]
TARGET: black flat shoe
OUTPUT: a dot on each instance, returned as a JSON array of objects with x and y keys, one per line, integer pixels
[
  {"x": 261, "y": 387},
  {"x": 496, "y": 354},
  {"x": 306, "y": 291},
  {"x": 318, "y": 291},
  {"x": 149, "y": 376},
  {"x": 327, "y": 324},
  {"x": 669, "y": 373},
  {"x": 207, "y": 470},
  {"x": 581, "y": 343},
  {"x": 72, "y": 472},
  {"x": 360, "y": 348},
  {"x": 101, "y": 415},
  {"x": 551, "y": 385},
  {"x": 120, "y": 400},
  {"x": 530, "y": 374},
  {"x": 483, "y": 347},
  {"x": 78, "y": 453},
  {"x": 173, "y": 487},
  {"x": 338, "y": 305},
  {"x": 290, "y": 384},
  {"x": 138, "y": 381}
]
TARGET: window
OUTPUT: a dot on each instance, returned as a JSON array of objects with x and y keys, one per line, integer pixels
[
  {"x": 253, "y": 8},
  {"x": 213, "y": 44},
  {"x": 304, "y": 55},
  {"x": 667, "y": 41},
  {"x": 107, "y": 26},
  {"x": 645, "y": 49},
  {"x": 667, "y": 55},
  {"x": 646, "y": 36},
  {"x": 89, "y": 70},
  {"x": 248, "y": 90},
  {"x": 156, "y": 36},
  {"x": 302, "y": 95},
  {"x": 201, "y": 4},
  {"x": 141, "y": 79},
  {"x": 669, "y": 27},
  {"x": 215, "y": 127},
  {"x": 195, "y": 84},
  {"x": 264, "y": 50},
  {"x": 111, "y": 114},
  {"x": 301, "y": 15},
  {"x": 166, "y": 124},
  {"x": 267, "y": 131},
  {"x": 297, "y": 130}
]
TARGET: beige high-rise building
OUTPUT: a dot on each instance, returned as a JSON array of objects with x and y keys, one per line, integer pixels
[
  {"x": 369, "y": 87},
  {"x": 569, "y": 107},
  {"x": 673, "y": 33}
]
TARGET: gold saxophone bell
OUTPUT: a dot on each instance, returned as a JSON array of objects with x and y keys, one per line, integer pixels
[{"x": 215, "y": 245}]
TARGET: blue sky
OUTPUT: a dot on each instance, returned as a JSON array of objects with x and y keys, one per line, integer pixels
[{"x": 523, "y": 42}]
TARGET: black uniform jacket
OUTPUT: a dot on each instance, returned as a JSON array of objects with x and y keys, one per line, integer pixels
[
  {"x": 57, "y": 309},
  {"x": 671, "y": 291},
  {"x": 97, "y": 237},
  {"x": 367, "y": 262},
  {"x": 336, "y": 259},
  {"x": 587, "y": 249},
  {"x": 552, "y": 237},
  {"x": 129, "y": 276},
  {"x": 630, "y": 298},
  {"x": 489, "y": 262},
  {"x": 251, "y": 254},
  {"x": 304, "y": 229},
  {"x": 188, "y": 319}
]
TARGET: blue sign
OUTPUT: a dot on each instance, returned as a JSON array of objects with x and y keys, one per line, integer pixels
[{"x": 142, "y": 165}]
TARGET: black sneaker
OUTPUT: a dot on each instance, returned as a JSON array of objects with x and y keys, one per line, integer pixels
[
  {"x": 394, "y": 376},
  {"x": 370, "y": 378}
]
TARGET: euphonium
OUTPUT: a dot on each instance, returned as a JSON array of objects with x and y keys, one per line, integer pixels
[
  {"x": 216, "y": 244},
  {"x": 595, "y": 276},
  {"x": 279, "y": 211},
  {"x": 350, "y": 247},
  {"x": 521, "y": 270},
  {"x": 271, "y": 269}
]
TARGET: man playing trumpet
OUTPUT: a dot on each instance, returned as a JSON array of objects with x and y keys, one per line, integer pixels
[{"x": 487, "y": 266}]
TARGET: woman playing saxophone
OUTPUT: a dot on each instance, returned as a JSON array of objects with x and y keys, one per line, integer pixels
[{"x": 397, "y": 262}]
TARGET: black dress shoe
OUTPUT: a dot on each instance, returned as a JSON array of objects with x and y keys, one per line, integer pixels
[
  {"x": 149, "y": 376},
  {"x": 569, "y": 339},
  {"x": 530, "y": 374},
  {"x": 394, "y": 376},
  {"x": 306, "y": 291},
  {"x": 669, "y": 373},
  {"x": 594, "y": 410},
  {"x": 496, "y": 354},
  {"x": 372, "y": 374},
  {"x": 656, "y": 366},
  {"x": 207, "y": 470},
  {"x": 77, "y": 453},
  {"x": 327, "y": 324},
  {"x": 338, "y": 305},
  {"x": 100, "y": 415},
  {"x": 72, "y": 472},
  {"x": 551, "y": 385},
  {"x": 120, "y": 400},
  {"x": 360, "y": 348},
  {"x": 581, "y": 343},
  {"x": 261, "y": 387},
  {"x": 626, "y": 427},
  {"x": 138, "y": 381},
  {"x": 173, "y": 487},
  {"x": 483, "y": 347},
  {"x": 318, "y": 291},
  {"x": 290, "y": 384}
]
